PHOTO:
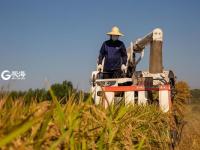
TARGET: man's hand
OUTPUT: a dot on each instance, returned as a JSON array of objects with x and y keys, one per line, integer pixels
[
  {"x": 100, "y": 67},
  {"x": 123, "y": 68}
]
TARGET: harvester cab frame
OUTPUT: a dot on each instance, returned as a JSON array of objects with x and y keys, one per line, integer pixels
[{"x": 137, "y": 87}]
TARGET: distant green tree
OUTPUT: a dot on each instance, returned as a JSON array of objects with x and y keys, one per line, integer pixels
[
  {"x": 61, "y": 91},
  {"x": 40, "y": 95},
  {"x": 29, "y": 95}
]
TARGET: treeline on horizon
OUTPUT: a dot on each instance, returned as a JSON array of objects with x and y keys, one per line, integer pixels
[
  {"x": 195, "y": 95},
  {"x": 61, "y": 90}
]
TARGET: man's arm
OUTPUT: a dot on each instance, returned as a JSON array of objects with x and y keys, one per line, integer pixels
[
  {"x": 123, "y": 54},
  {"x": 101, "y": 54}
]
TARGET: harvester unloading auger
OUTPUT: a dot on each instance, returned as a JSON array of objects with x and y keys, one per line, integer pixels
[{"x": 138, "y": 86}]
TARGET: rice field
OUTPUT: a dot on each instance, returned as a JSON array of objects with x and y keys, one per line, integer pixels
[{"x": 81, "y": 125}]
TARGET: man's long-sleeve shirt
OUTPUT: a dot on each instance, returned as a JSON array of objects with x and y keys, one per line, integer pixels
[{"x": 114, "y": 53}]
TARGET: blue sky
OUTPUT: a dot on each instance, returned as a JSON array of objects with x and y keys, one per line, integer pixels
[{"x": 60, "y": 40}]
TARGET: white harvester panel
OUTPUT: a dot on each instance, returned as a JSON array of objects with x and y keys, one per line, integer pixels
[
  {"x": 164, "y": 100},
  {"x": 142, "y": 97},
  {"x": 109, "y": 98},
  {"x": 129, "y": 97},
  {"x": 95, "y": 95}
]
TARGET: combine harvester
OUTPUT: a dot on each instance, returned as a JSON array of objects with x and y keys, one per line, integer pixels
[{"x": 137, "y": 87}]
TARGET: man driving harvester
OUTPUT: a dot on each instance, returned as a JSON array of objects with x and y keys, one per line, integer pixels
[{"x": 113, "y": 52}]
